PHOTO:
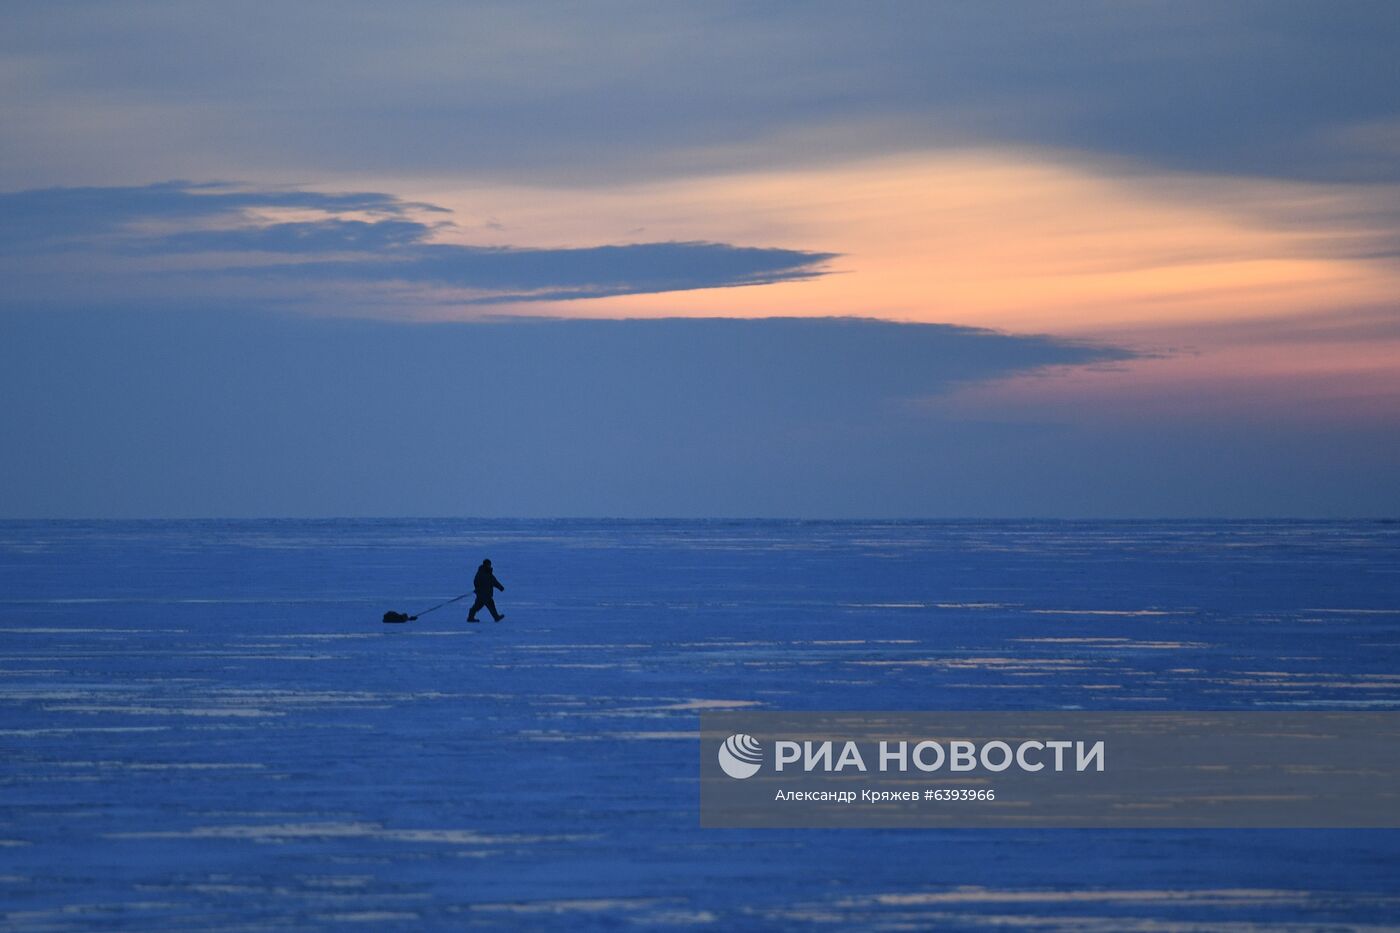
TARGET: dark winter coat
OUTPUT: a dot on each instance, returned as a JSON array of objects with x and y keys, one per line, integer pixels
[{"x": 485, "y": 581}]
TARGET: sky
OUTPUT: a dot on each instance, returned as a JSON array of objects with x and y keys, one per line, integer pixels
[{"x": 898, "y": 259}]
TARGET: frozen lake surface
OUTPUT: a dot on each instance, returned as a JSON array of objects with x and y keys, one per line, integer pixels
[{"x": 206, "y": 726}]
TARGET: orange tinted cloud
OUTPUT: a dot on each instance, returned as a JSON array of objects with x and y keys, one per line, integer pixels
[
  {"x": 1017, "y": 241},
  {"x": 1247, "y": 290}
]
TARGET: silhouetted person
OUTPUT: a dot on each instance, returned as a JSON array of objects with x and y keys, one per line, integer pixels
[{"x": 484, "y": 583}]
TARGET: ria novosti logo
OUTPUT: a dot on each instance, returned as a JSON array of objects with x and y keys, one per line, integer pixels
[{"x": 741, "y": 756}]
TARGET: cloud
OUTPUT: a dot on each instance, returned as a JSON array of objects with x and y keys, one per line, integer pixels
[
  {"x": 58, "y": 218},
  {"x": 188, "y": 238},
  {"x": 319, "y": 236},
  {"x": 145, "y": 414},
  {"x": 622, "y": 89},
  {"x": 517, "y": 275},
  {"x": 120, "y": 413},
  {"x": 1019, "y": 242}
]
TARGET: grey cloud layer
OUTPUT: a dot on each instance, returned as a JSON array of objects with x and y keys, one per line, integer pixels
[
  {"x": 626, "y": 88},
  {"x": 234, "y": 414},
  {"x": 135, "y": 228},
  {"x": 150, "y": 414},
  {"x": 55, "y": 218}
]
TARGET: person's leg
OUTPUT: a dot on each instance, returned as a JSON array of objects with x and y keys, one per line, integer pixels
[
  {"x": 476, "y": 607},
  {"x": 491, "y": 604}
]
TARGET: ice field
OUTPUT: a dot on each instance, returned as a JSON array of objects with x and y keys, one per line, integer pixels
[{"x": 205, "y": 725}]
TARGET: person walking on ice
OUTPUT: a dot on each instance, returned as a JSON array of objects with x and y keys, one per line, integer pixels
[{"x": 484, "y": 583}]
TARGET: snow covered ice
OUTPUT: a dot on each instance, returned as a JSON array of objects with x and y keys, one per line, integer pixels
[{"x": 206, "y": 726}]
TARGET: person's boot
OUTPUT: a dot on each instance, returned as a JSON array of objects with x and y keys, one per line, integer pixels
[
  {"x": 500, "y": 617},
  {"x": 470, "y": 619}
]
